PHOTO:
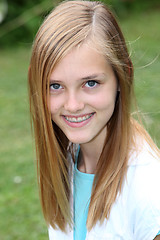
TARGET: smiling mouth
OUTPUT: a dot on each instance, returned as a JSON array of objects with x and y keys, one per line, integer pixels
[{"x": 78, "y": 119}]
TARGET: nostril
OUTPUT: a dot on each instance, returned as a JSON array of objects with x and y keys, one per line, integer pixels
[
  {"x": 73, "y": 104},
  {"x": 74, "y": 107}
]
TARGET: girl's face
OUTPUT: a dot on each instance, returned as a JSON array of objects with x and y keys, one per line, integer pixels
[{"x": 83, "y": 91}]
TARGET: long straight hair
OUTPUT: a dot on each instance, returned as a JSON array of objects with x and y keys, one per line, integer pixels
[{"x": 69, "y": 25}]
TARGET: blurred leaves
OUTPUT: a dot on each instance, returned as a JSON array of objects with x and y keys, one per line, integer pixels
[
  {"x": 24, "y": 17},
  {"x": 23, "y": 20},
  {"x": 3, "y": 9}
]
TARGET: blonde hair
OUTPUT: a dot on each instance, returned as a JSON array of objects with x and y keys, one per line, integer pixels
[{"x": 70, "y": 24}]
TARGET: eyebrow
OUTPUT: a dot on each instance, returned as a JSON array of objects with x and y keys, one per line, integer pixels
[
  {"x": 89, "y": 77},
  {"x": 94, "y": 76}
]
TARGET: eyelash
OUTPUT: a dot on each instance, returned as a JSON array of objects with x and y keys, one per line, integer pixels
[
  {"x": 92, "y": 81},
  {"x": 53, "y": 85}
]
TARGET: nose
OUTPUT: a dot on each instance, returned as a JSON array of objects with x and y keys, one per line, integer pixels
[{"x": 74, "y": 102}]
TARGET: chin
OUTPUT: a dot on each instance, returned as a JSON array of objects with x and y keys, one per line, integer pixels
[{"x": 79, "y": 140}]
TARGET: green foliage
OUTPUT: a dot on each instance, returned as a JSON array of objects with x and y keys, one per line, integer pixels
[
  {"x": 22, "y": 21},
  {"x": 124, "y": 7},
  {"x": 25, "y": 17},
  {"x": 3, "y": 10}
]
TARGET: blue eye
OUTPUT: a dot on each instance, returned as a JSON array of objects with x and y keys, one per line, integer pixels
[
  {"x": 55, "y": 86},
  {"x": 91, "y": 83}
]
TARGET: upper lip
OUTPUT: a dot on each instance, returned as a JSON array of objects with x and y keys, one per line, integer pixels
[{"x": 77, "y": 116}]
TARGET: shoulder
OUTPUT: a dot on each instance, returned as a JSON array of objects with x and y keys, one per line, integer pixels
[
  {"x": 143, "y": 153},
  {"x": 143, "y": 183},
  {"x": 144, "y": 165}
]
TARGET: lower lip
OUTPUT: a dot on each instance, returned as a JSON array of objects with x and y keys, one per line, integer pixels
[{"x": 78, "y": 124}]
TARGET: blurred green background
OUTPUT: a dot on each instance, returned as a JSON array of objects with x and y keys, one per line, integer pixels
[{"x": 20, "y": 212}]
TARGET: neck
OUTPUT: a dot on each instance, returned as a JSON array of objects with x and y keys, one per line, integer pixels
[{"x": 90, "y": 154}]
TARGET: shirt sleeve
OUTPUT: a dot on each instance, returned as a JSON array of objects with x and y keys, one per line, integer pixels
[{"x": 147, "y": 202}]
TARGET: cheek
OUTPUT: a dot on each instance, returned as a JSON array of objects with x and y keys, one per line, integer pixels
[
  {"x": 104, "y": 101},
  {"x": 54, "y": 105}
]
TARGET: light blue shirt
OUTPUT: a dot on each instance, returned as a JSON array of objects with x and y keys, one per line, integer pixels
[{"x": 82, "y": 192}]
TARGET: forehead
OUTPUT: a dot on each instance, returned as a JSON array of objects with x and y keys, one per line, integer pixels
[{"x": 81, "y": 61}]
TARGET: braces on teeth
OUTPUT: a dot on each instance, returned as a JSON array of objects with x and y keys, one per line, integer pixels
[{"x": 79, "y": 119}]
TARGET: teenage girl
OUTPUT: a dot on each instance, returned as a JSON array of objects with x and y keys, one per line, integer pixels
[{"x": 98, "y": 169}]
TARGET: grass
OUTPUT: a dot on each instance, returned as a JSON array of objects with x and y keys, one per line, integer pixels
[
  {"x": 143, "y": 39},
  {"x": 20, "y": 212}
]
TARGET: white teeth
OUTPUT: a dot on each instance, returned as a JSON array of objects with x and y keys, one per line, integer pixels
[{"x": 78, "y": 119}]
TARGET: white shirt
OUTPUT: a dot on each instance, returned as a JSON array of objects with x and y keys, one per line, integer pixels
[{"x": 135, "y": 215}]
